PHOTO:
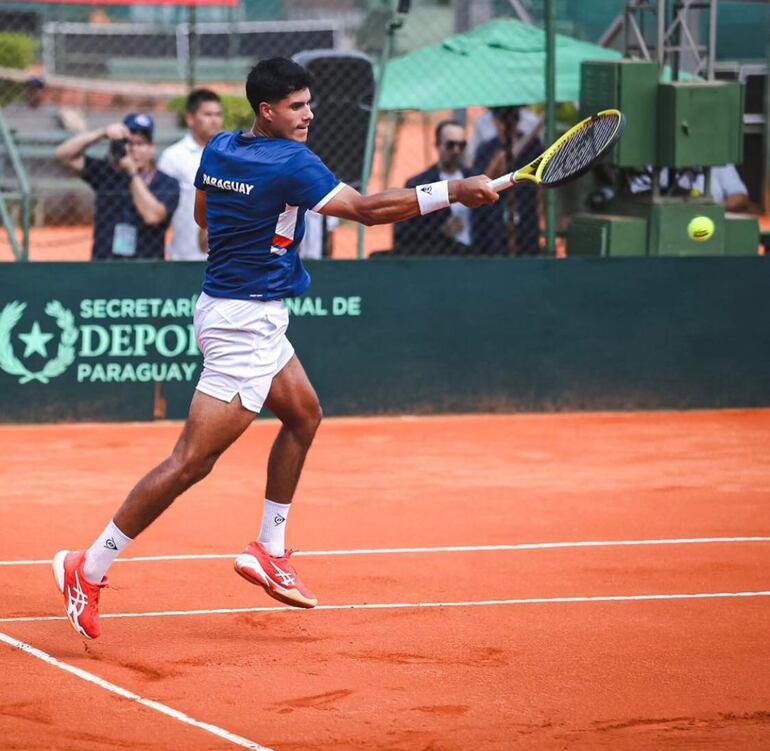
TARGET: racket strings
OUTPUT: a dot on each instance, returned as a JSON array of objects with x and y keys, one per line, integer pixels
[{"x": 581, "y": 149}]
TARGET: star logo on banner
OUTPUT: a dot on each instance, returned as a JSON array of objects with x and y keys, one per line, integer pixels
[{"x": 36, "y": 341}]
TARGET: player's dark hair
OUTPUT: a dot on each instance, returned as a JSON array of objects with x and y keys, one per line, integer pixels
[
  {"x": 443, "y": 125},
  {"x": 274, "y": 79},
  {"x": 197, "y": 97}
]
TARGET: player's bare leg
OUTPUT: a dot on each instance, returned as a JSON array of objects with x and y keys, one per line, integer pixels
[
  {"x": 211, "y": 427},
  {"x": 266, "y": 562},
  {"x": 292, "y": 399}
]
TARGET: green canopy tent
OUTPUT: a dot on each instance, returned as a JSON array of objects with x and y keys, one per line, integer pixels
[
  {"x": 497, "y": 64},
  {"x": 500, "y": 63}
]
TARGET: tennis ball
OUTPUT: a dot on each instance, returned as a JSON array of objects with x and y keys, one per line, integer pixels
[{"x": 700, "y": 228}]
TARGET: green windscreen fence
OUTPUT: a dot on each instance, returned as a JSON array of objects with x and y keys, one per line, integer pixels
[{"x": 115, "y": 341}]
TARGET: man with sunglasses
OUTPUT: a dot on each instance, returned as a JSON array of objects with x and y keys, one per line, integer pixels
[{"x": 446, "y": 232}]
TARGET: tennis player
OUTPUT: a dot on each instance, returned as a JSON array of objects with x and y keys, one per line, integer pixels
[{"x": 253, "y": 189}]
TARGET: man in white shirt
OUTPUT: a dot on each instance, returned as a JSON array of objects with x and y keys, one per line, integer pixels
[
  {"x": 318, "y": 229},
  {"x": 181, "y": 160},
  {"x": 727, "y": 188}
]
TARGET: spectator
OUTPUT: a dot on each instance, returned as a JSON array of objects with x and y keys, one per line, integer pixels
[
  {"x": 34, "y": 93},
  {"x": 484, "y": 128},
  {"x": 181, "y": 160},
  {"x": 318, "y": 241},
  {"x": 134, "y": 201},
  {"x": 37, "y": 111},
  {"x": 509, "y": 150},
  {"x": 448, "y": 231},
  {"x": 726, "y": 188}
]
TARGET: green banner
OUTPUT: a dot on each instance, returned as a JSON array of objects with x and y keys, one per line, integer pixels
[{"x": 116, "y": 342}]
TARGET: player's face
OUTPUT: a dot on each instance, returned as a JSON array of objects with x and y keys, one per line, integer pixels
[
  {"x": 206, "y": 121},
  {"x": 291, "y": 117}
]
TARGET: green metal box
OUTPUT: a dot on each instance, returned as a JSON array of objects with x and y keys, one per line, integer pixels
[
  {"x": 606, "y": 235},
  {"x": 632, "y": 87},
  {"x": 700, "y": 123},
  {"x": 668, "y": 220},
  {"x": 741, "y": 235}
]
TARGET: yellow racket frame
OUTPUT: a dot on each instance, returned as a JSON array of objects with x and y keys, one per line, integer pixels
[{"x": 533, "y": 172}]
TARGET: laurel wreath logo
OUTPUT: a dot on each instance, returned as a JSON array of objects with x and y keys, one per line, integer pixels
[{"x": 65, "y": 354}]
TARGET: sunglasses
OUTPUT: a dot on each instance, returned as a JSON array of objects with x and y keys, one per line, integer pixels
[{"x": 455, "y": 144}]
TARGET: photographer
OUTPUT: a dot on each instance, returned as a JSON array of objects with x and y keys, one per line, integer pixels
[{"x": 134, "y": 201}]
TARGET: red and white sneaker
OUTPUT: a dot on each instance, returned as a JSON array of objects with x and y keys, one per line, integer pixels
[
  {"x": 81, "y": 597},
  {"x": 275, "y": 574}
]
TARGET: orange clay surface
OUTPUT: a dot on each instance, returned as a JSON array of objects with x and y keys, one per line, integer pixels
[{"x": 616, "y": 674}]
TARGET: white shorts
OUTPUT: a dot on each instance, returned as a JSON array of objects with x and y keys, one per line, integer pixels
[{"x": 244, "y": 347}]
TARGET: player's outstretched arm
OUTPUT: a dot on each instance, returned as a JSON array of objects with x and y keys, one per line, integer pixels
[{"x": 398, "y": 204}]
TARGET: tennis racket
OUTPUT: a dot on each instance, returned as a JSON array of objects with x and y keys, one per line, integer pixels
[{"x": 572, "y": 155}]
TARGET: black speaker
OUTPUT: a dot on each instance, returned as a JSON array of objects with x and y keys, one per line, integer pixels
[{"x": 342, "y": 96}]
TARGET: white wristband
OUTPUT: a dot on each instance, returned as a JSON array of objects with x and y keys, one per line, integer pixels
[{"x": 433, "y": 196}]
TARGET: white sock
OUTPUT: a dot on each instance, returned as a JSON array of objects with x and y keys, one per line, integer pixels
[
  {"x": 272, "y": 535},
  {"x": 103, "y": 552}
]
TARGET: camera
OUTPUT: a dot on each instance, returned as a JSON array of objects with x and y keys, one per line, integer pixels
[{"x": 118, "y": 149}]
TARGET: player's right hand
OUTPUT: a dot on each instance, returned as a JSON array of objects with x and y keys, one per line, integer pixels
[{"x": 473, "y": 191}]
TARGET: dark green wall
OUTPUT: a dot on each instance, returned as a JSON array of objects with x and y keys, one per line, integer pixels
[{"x": 430, "y": 335}]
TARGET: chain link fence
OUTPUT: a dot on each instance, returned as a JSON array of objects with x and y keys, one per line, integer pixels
[{"x": 72, "y": 70}]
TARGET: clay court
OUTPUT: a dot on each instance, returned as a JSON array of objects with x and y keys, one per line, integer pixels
[{"x": 494, "y": 582}]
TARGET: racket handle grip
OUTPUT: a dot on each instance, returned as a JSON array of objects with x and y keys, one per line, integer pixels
[{"x": 501, "y": 183}]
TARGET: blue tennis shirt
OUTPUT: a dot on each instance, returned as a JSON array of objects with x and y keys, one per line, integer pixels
[{"x": 257, "y": 192}]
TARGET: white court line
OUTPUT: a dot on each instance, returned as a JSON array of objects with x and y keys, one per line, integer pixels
[
  {"x": 445, "y": 549},
  {"x": 175, "y": 714},
  {"x": 404, "y": 605}
]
